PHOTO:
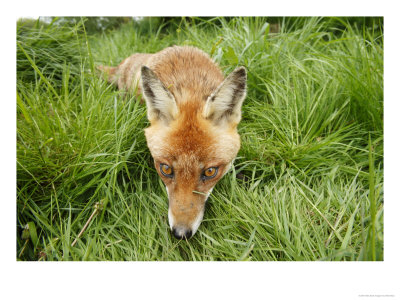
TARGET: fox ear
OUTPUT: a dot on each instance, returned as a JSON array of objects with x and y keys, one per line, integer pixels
[
  {"x": 160, "y": 102},
  {"x": 225, "y": 103}
]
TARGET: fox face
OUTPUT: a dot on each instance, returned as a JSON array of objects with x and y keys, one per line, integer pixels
[
  {"x": 193, "y": 140},
  {"x": 193, "y": 113}
]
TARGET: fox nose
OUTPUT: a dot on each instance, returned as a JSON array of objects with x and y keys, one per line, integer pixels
[{"x": 182, "y": 232}]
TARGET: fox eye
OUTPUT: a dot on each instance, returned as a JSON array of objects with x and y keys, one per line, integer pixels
[
  {"x": 210, "y": 173},
  {"x": 166, "y": 170}
]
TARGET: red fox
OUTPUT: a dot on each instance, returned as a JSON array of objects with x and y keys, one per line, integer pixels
[{"x": 193, "y": 113}]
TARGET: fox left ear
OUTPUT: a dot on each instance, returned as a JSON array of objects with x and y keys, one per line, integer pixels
[
  {"x": 161, "y": 104},
  {"x": 225, "y": 103}
]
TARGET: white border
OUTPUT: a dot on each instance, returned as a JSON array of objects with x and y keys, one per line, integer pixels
[{"x": 149, "y": 280}]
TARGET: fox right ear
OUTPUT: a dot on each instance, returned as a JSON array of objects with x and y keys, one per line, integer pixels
[
  {"x": 225, "y": 103},
  {"x": 160, "y": 102}
]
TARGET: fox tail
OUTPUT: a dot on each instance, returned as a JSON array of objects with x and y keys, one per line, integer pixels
[{"x": 108, "y": 73}]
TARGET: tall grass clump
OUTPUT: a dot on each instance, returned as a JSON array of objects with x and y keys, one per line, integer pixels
[
  {"x": 50, "y": 48},
  {"x": 308, "y": 180}
]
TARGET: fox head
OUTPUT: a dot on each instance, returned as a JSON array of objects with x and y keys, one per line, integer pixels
[{"x": 193, "y": 143}]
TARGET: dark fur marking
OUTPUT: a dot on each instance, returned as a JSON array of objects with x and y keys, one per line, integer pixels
[
  {"x": 241, "y": 73},
  {"x": 237, "y": 94},
  {"x": 148, "y": 91}
]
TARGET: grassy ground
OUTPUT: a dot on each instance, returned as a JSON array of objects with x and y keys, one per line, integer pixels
[{"x": 308, "y": 180}]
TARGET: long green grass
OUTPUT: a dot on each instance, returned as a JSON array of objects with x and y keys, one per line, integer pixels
[{"x": 308, "y": 180}]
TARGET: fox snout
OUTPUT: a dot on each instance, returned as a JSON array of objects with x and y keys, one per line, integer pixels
[
  {"x": 185, "y": 213},
  {"x": 182, "y": 233},
  {"x": 181, "y": 230}
]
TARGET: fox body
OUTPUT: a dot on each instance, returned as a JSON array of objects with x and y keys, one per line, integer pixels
[{"x": 193, "y": 113}]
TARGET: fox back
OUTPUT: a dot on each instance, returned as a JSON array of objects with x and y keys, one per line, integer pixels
[{"x": 193, "y": 113}]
